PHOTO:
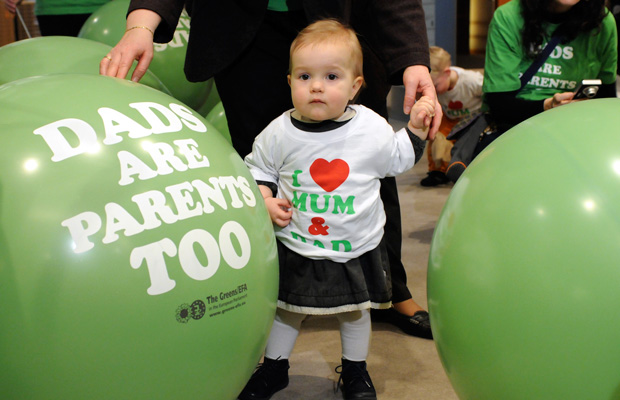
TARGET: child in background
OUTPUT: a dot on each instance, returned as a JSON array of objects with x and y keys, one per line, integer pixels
[
  {"x": 459, "y": 91},
  {"x": 318, "y": 168}
]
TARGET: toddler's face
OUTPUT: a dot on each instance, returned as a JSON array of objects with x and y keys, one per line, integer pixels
[
  {"x": 322, "y": 80},
  {"x": 441, "y": 81}
]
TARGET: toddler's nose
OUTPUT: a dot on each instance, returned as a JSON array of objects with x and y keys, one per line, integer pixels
[{"x": 317, "y": 86}]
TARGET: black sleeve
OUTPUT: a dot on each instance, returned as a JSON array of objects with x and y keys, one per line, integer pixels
[
  {"x": 169, "y": 11},
  {"x": 418, "y": 145},
  {"x": 508, "y": 110},
  {"x": 399, "y": 30},
  {"x": 607, "y": 90},
  {"x": 270, "y": 185}
]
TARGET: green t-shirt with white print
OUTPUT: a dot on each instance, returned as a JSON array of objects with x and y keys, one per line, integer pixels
[
  {"x": 284, "y": 5},
  {"x": 589, "y": 56},
  {"x": 61, "y": 7}
]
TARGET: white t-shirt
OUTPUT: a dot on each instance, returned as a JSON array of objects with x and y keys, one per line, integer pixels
[
  {"x": 332, "y": 180},
  {"x": 465, "y": 98}
]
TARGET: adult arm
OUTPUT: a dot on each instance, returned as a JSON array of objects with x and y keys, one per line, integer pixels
[
  {"x": 147, "y": 21},
  {"x": 399, "y": 32},
  {"x": 509, "y": 110},
  {"x": 11, "y": 5}
]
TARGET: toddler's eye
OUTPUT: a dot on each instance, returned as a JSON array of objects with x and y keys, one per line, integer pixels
[
  {"x": 304, "y": 77},
  {"x": 332, "y": 77}
]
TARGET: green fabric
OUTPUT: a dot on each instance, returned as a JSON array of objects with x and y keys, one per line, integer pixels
[
  {"x": 284, "y": 5},
  {"x": 586, "y": 57},
  {"x": 61, "y": 7}
]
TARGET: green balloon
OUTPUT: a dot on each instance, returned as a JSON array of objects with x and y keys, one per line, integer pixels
[
  {"x": 50, "y": 55},
  {"x": 107, "y": 25},
  {"x": 217, "y": 118},
  {"x": 137, "y": 259},
  {"x": 523, "y": 275}
]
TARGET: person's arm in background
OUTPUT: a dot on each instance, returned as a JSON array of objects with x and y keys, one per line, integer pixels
[
  {"x": 147, "y": 21},
  {"x": 506, "y": 108},
  {"x": 400, "y": 30},
  {"x": 11, "y": 5}
]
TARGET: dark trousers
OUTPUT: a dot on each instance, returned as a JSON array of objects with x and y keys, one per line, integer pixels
[{"x": 254, "y": 91}]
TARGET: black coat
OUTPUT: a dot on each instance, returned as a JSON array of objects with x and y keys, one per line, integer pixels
[{"x": 393, "y": 30}]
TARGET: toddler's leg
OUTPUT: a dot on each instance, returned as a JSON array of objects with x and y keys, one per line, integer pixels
[
  {"x": 355, "y": 335},
  {"x": 355, "y": 328},
  {"x": 283, "y": 334}
]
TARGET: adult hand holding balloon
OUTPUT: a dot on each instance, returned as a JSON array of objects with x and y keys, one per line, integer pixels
[
  {"x": 135, "y": 44},
  {"x": 133, "y": 40}
]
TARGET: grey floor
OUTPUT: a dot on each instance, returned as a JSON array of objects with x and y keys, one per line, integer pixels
[{"x": 402, "y": 367}]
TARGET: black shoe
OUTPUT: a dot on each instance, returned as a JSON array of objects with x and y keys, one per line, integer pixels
[
  {"x": 356, "y": 383},
  {"x": 270, "y": 377},
  {"x": 417, "y": 325},
  {"x": 435, "y": 178}
]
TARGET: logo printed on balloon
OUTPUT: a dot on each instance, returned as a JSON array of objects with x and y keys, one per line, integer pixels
[
  {"x": 217, "y": 305},
  {"x": 71, "y": 137},
  {"x": 180, "y": 37}
]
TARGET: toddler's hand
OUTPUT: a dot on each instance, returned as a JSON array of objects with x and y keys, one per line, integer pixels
[
  {"x": 421, "y": 116},
  {"x": 280, "y": 211}
]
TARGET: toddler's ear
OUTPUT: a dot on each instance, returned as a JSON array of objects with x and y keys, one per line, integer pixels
[
  {"x": 357, "y": 84},
  {"x": 288, "y": 78}
]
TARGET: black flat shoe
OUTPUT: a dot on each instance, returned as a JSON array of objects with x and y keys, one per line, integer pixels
[{"x": 418, "y": 324}]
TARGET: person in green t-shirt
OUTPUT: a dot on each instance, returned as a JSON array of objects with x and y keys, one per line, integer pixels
[{"x": 520, "y": 29}]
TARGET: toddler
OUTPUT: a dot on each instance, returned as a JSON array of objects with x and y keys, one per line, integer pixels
[
  {"x": 318, "y": 167},
  {"x": 459, "y": 91}
]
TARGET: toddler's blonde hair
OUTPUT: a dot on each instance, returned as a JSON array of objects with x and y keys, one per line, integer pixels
[
  {"x": 440, "y": 60},
  {"x": 330, "y": 31}
]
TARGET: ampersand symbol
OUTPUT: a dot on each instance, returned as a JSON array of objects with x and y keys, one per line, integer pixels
[{"x": 317, "y": 227}]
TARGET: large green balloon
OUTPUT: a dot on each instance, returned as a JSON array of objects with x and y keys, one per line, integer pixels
[
  {"x": 137, "y": 260},
  {"x": 217, "y": 118},
  {"x": 107, "y": 25},
  {"x": 524, "y": 270},
  {"x": 50, "y": 55}
]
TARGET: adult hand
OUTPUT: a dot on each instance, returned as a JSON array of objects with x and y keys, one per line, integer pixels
[
  {"x": 11, "y": 5},
  {"x": 136, "y": 44},
  {"x": 417, "y": 80},
  {"x": 559, "y": 99}
]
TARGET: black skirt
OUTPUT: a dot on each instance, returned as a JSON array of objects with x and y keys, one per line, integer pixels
[{"x": 323, "y": 286}]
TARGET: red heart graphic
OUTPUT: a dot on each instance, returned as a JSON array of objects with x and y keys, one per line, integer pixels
[
  {"x": 455, "y": 105},
  {"x": 329, "y": 174}
]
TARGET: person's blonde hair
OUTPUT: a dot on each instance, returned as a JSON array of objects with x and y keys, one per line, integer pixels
[
  {"x": 330, "y": 31},
  {"x": 440, "y": 59}
]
